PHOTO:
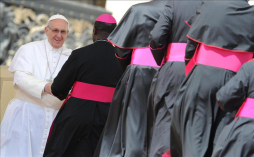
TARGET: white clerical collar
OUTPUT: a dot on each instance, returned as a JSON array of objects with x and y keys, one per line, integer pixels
[{"x": 50, "y": 48}]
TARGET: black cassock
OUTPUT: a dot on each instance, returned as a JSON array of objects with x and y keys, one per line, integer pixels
[
  {"x": 237, "y": 138},
  {"x": 197, "y": 120},
  {"x": 170, "y": 28},
  {"x": 125, "y": 131},
  {"x": 79, "y": 123}
]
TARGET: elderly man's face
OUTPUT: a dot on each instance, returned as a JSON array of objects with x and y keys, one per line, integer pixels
[{"x": 56, "y": 32}]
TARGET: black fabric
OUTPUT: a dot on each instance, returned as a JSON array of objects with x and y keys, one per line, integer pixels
[
  {"x": 170, "y": 28},
  {"x": 233, "y": 94},
  {"x": 161, "y": 100},
  {"x": 104, "y": 27},
  {"x": 91, "y": 64},
  {"x": 237, "y": 138},
  {"x": 190, "y": 50},
  {"x": 123, "y": 62},
  {"x": 79, "y": 123},
  {"x": 229, "y": 27},
  {"x": 196, "y": 116},
  {"x": 134, "y": 28},
  {"x": 77, "y": 129},
  {"x": 125, "y": 131},
  {"x": 197, "y": 120}
]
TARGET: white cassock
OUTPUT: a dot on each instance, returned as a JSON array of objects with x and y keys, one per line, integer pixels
[{"x": 28, "y": 117}]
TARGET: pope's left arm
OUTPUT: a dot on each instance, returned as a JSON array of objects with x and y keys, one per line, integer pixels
[{"x": 65, "y": 79}]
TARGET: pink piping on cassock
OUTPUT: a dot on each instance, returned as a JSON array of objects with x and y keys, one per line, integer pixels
[
  {"x": 157, "y": 48},
  {"x": 167, "y": 154},
  {"x": 188, "y": 24}
]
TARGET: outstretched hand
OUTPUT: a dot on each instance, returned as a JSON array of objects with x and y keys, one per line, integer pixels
[{"x": 47, "y": 88}]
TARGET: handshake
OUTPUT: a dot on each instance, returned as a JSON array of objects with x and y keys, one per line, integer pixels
[{"x": 47, "y": 88}]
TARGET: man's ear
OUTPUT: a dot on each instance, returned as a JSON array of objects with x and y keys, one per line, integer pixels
[
  {"x": 95, "y": 31},
  {"x": 46, "y": 30}
]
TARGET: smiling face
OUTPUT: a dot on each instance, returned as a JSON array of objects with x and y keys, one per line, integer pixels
[{"x": 56, "y": 32}]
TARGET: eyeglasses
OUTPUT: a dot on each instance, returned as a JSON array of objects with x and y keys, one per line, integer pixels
[{"x": 56, "y": 31}]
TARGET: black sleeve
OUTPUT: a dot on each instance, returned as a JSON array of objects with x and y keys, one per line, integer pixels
[
  {"x": 159, "y": 34},
  {"x": 190, "y": 50},
  {"x": 193, "y": 18},
  {"x": 66, "y": 77},
  {"x": 231, "y": 96},
  {"x": 123, "y": 57}
]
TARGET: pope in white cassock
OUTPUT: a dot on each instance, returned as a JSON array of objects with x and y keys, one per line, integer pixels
[{"x": 28, "y": 117}]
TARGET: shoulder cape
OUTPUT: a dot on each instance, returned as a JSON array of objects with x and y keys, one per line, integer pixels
[
  {"x": 224, "y": 24},
  {"x": 134, "y": 28}
]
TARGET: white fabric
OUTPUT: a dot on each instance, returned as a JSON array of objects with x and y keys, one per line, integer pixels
[
  {"x": 57, "y": 16},
  {"x": 32, "y": 86},
  {"x": 25, "y": 125},
  {"x": 18, "y": 77}
]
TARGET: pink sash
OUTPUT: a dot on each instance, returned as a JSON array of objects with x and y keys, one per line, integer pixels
[
  {"x": 247, "y": 109},
  {"x": 92, "y": 92},
  {"x": 220, "y": 58},
  {"x": 167, "y": 154},
  {"x": 143, "y": 56},
  {"x": 88, "y": 91},
  {"x": 176, "y": 52}
]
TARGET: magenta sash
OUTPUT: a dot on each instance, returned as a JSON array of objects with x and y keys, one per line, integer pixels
[
  {"x": 143, "y": 56},
  {"x": 88, "y": 91},
  {"x": 220, "y": 58},
  {"x": 167, "y": 154},
  {"x": 247, "y": 109},
  {"x": 92, "y": 92},
  {"x": 176, "y": 52}
]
